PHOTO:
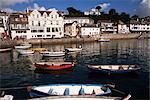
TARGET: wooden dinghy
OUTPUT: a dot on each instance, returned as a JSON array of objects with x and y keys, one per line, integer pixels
[
  {"x": 5, "y": 50},
  {"x": 54, "y": 65},
  {"x": 114, "y": 68},
  {"x": 23, "y": 46},
  {"x": 69, "y": 90},
  {"x": 73, "y": 49},
  {"x": 53, "y": 54}
]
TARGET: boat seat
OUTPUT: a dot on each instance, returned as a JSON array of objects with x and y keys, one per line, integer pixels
[
  {"x": 74, "y": 90},
  {"x": 114, "y": 67},
  {"x": 88, "y": 90},
  {"x": 66, "y": 93},
  {"x": 58, "y": 91},
  {"x": 82, "y": 92},
  {"x": 98, "y": 91}
]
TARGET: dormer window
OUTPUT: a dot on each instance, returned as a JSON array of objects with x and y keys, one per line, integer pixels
[{"x": 52, "y": 16}]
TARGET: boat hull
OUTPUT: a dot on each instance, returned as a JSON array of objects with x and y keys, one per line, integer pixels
[
  {"x": 109, "y": 71},
  {"x": 53, "y": 67}
]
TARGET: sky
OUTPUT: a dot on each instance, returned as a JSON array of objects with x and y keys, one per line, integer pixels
[{"x": 138, "y": 7}]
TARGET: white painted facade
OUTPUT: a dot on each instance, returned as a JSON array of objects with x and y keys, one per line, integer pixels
[
  {"x": 108, "y": 27},
  {"x": 123, "y": 28},
  {"x": 89, "y": 31},
  {"x": 5, "y": 17},
  {"x": 140, "y": 27},
  {"x": 92, "y": 11},
  {"x": 45, "y": 24},
  {"x": 80, "y": 20}
]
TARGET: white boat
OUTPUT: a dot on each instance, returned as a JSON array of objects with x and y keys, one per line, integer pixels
[
  {"x": 104, "y": 40},
  {"x": 52, "y": 54},
  {"x": 5, "y": 50},
  {"x": 23, "y": 46},
  {"x": 26, "y": 52},
  {"x": 73, "y": 49},
  {"x": 69, "y": 90}
]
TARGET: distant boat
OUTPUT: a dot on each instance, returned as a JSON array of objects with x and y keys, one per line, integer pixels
[
  {"x": 73, "y": 49},
  {"x": 26, "y": 52},
  {"x": 54, "y": 65},
  {"x": 104, "y": 40},
  {"x": 53, "y": 54},
  {"x": 5, "y": 50},
  {"x": 23, "y": 46},
  {"x": 69, "y": 90},
  {"x": 38, "y": 49},
  {"x": 113, "y": 68}
]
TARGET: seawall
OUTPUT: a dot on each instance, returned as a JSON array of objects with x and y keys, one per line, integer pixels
[{"x": 11, "y": 43}]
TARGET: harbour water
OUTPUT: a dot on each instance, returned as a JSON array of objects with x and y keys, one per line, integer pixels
[{"x": 15, "y": 69}]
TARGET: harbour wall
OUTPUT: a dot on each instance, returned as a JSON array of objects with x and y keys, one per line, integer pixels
[{"x": 11, "y": 43}]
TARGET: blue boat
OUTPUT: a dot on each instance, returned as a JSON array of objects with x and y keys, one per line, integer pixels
[
  {"x": 69, "y": 90},
  {"x": 113, "y": 68}
]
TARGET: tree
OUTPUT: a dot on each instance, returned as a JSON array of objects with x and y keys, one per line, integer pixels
[
  {"x": 74, "y": 12},
  {"x": 124, "y": 17},
  {"x": 135, "y": 17},
  {"x": 113, "y": 15}
]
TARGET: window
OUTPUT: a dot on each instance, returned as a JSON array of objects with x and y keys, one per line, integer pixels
[
  {"x": 39, "y": 35},
  {"x": 52, "y": 16},
  {"x": 32, "y": 23},
  {"x": 48, "y": 29},
  {"x": 40, "y": 30},
  {"x": 56, "y": 29},
  {"x": 37, "y": 16},
  {"x": 33, "y": 31},
  {"x": 53, "y": 30},
  {"x": 38, "y": 23},
  {"x": 51, "y": 22},
  {"x": 55, "y": 16},
  {"x": 48, "y": 35}
]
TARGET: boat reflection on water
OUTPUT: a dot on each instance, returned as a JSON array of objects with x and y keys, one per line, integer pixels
[
  {"x": 55, "y": 72},
  {"x": 93, "y": 75}
]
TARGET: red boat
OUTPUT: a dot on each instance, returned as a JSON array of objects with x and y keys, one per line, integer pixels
[{"x": 54, "y": 65}]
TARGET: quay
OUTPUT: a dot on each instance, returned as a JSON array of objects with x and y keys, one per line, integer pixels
[{"x": 11, "y": 43}]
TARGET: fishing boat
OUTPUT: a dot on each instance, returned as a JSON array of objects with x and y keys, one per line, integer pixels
[
  {"x": 104, "y": 40},
  {"x": 5, "y": 50},
  {"x": 69, "y": 90},
  {"x": 26, "y": 52},
  {"x": 114, "y": 68},
  {"x": 53, "y": 54},
  {"x": 54, "y": 65},
  {"x": 38, "y": 49},
  {"x": 23, "y": 46}
]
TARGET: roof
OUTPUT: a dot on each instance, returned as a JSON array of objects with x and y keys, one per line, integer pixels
[
  {"x": 104, "y": 21},
  {"x": 66, "y": 17}
]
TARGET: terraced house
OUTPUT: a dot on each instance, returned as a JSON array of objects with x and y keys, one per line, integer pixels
[{"x": 46, "y": 24}]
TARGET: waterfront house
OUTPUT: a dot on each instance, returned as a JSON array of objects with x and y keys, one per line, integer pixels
[
  {"x": 19, "y": 26},
  {"x": 140, "y": 25},
  {"x": 90, "y": 30},
  {"x": 46, "y": 24},
  {"x": 80, "y": 20},
  {"x": 107, "y": 26},
  {"x": 123, "y": 28},
  {"x": 92, "y": 11},
  {"x": 4, "y": 16},
  {"x": 1, "y": 27},
  {"x": 71, "y": 29}
]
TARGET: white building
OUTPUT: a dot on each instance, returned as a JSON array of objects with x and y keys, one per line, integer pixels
[
  {"x": 107, "y": 26},
  {"x": 4, "y": 16},
  {"x": 71, "y": 29},
  {"x": 92, "y": 11},
  {"x": 46, "y": 24},
  {"x": 123, "y": 28},
  {"x": 19, "y": 26},
  {"x": 90, "y": 30},
  {"x": 1, "y": 27},
  {"x": 140, "y": 25},
  {"x": 80, "y": 20}
]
